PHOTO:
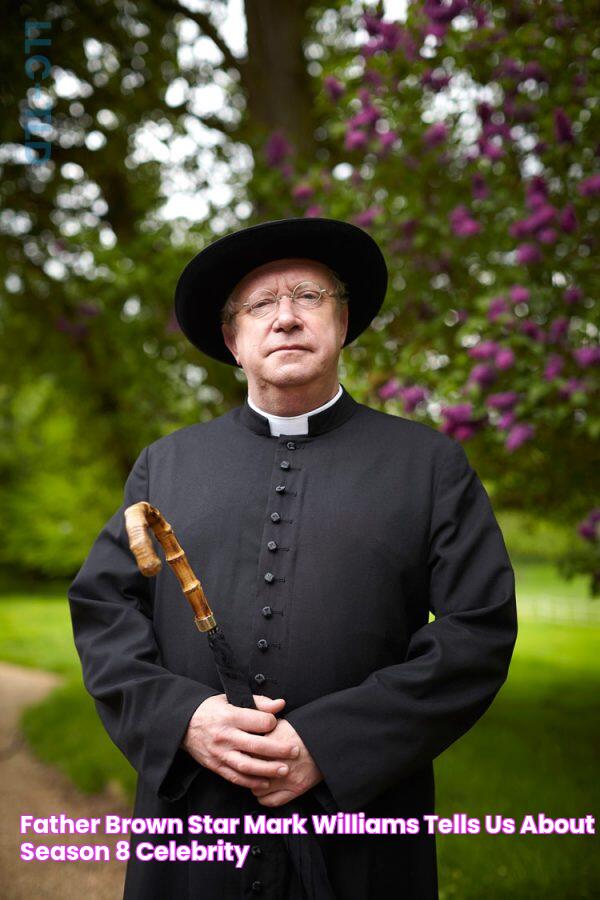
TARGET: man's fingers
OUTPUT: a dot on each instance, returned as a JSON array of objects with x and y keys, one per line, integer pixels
[
  {"x": 265, "y": 704},
  {"x": 276, "y": 798},
  {"x": 248, "y": 765},
  {"x": 237, "y": 778},
  {"x": 270, "y": 747},
  {"x": 252, "y": 720}
]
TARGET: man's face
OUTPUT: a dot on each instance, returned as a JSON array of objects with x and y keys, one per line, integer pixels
[{"x": 261, "y": 346}]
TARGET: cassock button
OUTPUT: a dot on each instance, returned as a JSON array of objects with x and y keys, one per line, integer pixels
[
  {"x": 275, "y": 517},
  {"x": 260, "y": 678},
  {"x": 267, "y": 612},
  {"x": 257, "y": 886},
  {"x": 284, "y": 464},
  {"x": 255, "y": 851},
  {"x": 280, "y": 488},
  {"x": 272, "y": 545},
  {"x": 262, "y": 644},
  {"x": 269, "y": 577},
  {"x": 290, "y": 445}
]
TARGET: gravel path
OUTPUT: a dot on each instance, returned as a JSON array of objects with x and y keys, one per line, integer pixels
[{"x": 28, "y": 787}]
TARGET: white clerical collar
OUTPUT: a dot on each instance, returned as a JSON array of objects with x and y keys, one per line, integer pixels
[{"x": 292, "y": 424}]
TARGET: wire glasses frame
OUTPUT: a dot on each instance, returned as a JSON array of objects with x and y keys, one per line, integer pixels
[{"x": 306, "y": 294}]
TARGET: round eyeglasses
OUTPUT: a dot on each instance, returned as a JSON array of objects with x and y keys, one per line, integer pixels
[{"x": 306, "y": 295}]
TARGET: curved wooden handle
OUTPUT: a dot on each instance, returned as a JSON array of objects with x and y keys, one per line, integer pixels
[
  {"x": 140, "y": 542},
  {"x": 138, "y": 518}
]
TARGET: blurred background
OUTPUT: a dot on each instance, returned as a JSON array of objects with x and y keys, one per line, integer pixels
[{"x": 464, "y": 136}]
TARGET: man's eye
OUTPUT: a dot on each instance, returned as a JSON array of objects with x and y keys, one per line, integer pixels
[
  {"x": 309, "y": 295},
  {"x": 261, "y": 304}
]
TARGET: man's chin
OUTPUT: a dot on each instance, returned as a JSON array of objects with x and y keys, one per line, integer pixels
[{"x": 289, "y": 371}]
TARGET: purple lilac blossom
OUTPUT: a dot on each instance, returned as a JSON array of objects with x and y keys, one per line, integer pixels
[
  {"x": 519, "y": 293},
  {"x": 563, "y": 127},
  {"x": 355, "y": 140},
  {"x": 558, "y": 329},
  {"x": 492, "y": 150},
  {"x": 462, "y": 223},
  {"x": 277, "y": 148},
  {"x": 504, "y": 358},
  {"x": 444, "y": 12},
  {"x": 532, "y": 330},
  {"x": 533, "y": 69},
  {"x": 302, "y": 191},
  {"x": 572, "y": 386},
  {"x": 589, "y": 186},
  {"x": 367, "y": 216},
  {"x": 412, "y": 395},
  {"x": 435, "y": 79},
  {"x": 573, "y": 294},
  {"x": 528, "y": 253},
  {"x": 334, "y": 88},
  {"x": 479, "y": 188},
  {"x": 502, "y": 401},
  {"x": 462, "y": 412},
  {"x": 587, "y": 530},
  {"x": 483, "y": 350},
  {"x": 542, "y": 217},
  {"x": 536, "y": 192},
  {"x": 506, "y": 420},
  {"x": 435, "y": 134},
  {"x": 518, "y": 435},
  {"x": 483, "y": 374},
  {"x": 554, "y": 366},
  {"x": 568, "y": 219},
  {"x": 390, "y": 389},
  {"x": 387, "y": 138},
  {"x": 547, "y": 236},
  {"x": 373, "y": 78},
  {"x": 88, "y": 309},
  {"x": 587, "y": 356},
  {"x": 497, "y": 306}
]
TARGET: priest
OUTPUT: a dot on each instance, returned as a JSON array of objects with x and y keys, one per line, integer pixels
[{"x": 324, "y": 533}]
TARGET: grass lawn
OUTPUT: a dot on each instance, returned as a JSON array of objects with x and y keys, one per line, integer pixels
[{"x": 532, "y": 752}]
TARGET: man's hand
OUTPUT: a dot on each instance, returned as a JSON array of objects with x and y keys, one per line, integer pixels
[
  {"x": 303, "y": 772},
  {"x": 226, "y": 739}
]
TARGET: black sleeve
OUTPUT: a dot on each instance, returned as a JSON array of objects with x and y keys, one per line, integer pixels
[
  {"x": 144, "y": 707},
  {"x": 366, "y": 738}
]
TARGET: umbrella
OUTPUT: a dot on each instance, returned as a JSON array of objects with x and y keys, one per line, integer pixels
[{"x": 305, "y": 854}]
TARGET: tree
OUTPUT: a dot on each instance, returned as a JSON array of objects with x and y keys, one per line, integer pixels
[{"x": 471, "y": 162}]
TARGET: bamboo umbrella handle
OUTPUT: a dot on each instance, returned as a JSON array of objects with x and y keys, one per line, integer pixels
[{"x": 138, "y": 518}]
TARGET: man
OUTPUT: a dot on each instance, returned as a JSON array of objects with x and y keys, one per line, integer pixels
[{"x": 323, "y": 533}]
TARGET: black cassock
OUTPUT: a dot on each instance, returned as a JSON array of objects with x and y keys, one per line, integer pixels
[{"x": 332, "y": 547}]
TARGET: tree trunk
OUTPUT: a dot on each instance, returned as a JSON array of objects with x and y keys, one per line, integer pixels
[{"x": 275, "y": 78}]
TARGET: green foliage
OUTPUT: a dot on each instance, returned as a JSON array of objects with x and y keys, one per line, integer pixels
[
  {"x": 36, "y": 628},
  {"x": 56, "y": 487},
  {"x": 89, "y": 263}
]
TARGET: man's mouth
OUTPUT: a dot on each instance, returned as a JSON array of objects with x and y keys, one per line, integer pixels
[{"x": 279, "y": 349}]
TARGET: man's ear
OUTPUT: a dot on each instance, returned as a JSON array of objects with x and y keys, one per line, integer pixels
[
  {"x": 229, "y": 337},
  {"x": 344, "y": 317}
]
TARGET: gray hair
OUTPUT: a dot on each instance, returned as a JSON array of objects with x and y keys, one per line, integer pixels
[{"x": 340, "y": 292}]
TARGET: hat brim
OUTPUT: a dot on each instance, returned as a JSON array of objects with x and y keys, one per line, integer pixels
[{"x": 211, "y": 275}]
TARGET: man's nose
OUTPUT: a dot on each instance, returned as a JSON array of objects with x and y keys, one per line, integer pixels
[{"x": 286, "y": 315}]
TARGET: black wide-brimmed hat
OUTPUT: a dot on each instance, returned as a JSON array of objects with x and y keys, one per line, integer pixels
[{"x": 209, "y": 278}]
